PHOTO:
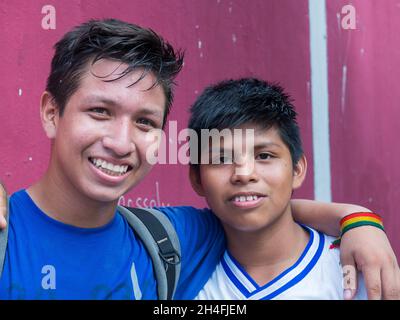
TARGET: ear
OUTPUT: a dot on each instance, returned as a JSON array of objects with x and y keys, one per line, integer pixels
[
  {"x": 195, "y": 180},
  {"x": 49, "y": 114},
  {"x": 299, "y": 172}
]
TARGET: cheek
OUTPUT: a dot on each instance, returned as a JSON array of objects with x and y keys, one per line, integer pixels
[
  {"x": 79, "y": 139},
  {"x": 214, "y": 183},
  {"x": 75, "y": 143},
  {"x": 278, "y": 177},
  {"x": 146, "y": 147},
  {"x": 79, "y": 128}
]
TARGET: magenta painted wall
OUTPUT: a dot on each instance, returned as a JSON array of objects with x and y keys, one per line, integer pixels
[
  {"x": 227, "y": 38},
  {"x": 221, "y": 38},
  {"x": 364, "y": 93}
]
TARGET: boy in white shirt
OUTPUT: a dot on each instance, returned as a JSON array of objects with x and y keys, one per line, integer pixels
[{"x": 249, "y": 186}]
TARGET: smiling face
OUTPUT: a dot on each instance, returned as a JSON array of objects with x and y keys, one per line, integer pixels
[
  {"x": 100, "y": 142},
  {"x": 253, "y": 193}
]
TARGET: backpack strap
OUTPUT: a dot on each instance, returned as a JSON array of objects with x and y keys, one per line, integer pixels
[
  {"x": 4, "y": 239},
  {"x": 161, "y": 241}
]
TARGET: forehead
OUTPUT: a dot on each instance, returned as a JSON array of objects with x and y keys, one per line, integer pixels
[
  {"x": 110, "y": 70},
  {"x": 247, "y": 134},
  {"x": 106, "y": 79}
]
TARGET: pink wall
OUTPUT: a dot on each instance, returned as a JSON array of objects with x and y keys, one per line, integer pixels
[
  {"x": 221, "y": 38},
  {"x": 364, "y": 93},
  {"x": 227, "y": 38}
]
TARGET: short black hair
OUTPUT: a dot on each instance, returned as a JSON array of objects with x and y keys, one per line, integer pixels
[
  {"x": 128, "y": 43},
  {"x": 231, "y": 103}
]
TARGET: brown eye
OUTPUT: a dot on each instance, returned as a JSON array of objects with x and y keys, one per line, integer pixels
[
  {"x": 147, "y": 122},
  {"x": 264, "y": 156},
  {"x": 100, "y": 111}
]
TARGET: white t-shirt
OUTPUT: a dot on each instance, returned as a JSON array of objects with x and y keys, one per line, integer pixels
[{"x": 316, "y": 275}]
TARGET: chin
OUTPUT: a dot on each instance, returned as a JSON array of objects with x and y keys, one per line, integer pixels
[
  {"x": 108, "y": 195},
  {"x": 251, "y": 225},
  {"x": 104, "y": 193},
  {"x": 248, "y": 228}
]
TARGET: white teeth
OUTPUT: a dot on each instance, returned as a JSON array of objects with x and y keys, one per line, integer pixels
[
  {"x": 245, "y": 198},
  {"x": 109, "y": 166}
]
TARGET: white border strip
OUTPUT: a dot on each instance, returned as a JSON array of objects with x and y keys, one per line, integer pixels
[{"x": 320, "y": 102}]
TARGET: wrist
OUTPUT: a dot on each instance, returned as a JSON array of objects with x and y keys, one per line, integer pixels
[
  {"x": 343, "y": 210},
  {"x": 358, "y": 219}
]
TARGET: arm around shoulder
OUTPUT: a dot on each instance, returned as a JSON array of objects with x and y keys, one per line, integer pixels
[
  {"x": 323, "y": 216},
  {"x": 366, "y": 248}
]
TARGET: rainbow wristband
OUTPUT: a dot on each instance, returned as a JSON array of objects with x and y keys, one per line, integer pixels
[{"x": 358, "y": 219}]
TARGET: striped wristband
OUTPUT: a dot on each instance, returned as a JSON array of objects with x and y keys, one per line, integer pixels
[{"x": 358, "y": 219}]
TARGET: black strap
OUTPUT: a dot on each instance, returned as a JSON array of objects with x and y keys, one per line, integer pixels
[
  {"x": 4, "y": 239},
  {"x": 167, "y": 251}
]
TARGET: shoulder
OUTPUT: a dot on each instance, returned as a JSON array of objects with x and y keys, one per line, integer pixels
[
  {"x": 181, "y": 210},
  {"x": 19, "y": 196},
  {"x": 323, "y": 241},
  {"x": 20, "y": 202},
  {"x": 188, "y": 215},
  {"x": 326, "y": 256},
  {"x": 332, "y": 269}
]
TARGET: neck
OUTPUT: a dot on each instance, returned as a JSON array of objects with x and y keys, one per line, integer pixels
[
  {"x": 273, "y": 248},
  {"x": 61, "y": 201}
]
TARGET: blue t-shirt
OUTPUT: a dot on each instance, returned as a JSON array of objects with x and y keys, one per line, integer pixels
[
  {"x": 202, "y": 241},
  {"x": 46, "y": 259}
]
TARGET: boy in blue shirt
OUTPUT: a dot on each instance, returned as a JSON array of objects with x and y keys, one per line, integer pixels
[{"x": 109, "y": 88}]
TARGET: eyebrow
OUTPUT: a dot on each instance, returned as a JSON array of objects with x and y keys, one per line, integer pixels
[
  {"x": 256, "y": 146},
  {"x": 98, "y": 98},
  {"x": 150, "y": 111},
  {"x": 266, "y": 145}
]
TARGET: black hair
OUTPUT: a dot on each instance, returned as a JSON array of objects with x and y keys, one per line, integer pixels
[
  {"x": 111, "y": 39},
  {"x": 231, "y": 103}
]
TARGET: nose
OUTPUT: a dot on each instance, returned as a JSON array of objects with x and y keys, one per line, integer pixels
[
  {"x": 244, "y": 171},
  {"x": 119, "y": 138}
]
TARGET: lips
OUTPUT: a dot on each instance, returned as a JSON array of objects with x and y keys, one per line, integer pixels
[
  {"x": 110, "y": 173},
  {"x": 246, "y": 196},
  {"x": 110, "y": 168},
  {"x": 247, "y": 200}
]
